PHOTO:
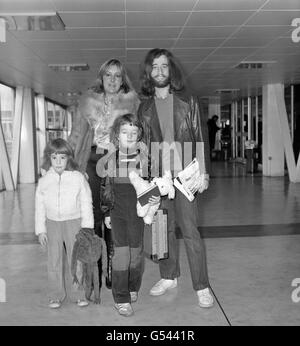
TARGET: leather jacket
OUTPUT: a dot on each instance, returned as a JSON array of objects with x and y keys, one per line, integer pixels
[{"x": 189, "y": 124}]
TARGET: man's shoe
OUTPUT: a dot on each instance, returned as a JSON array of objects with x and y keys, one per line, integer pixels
[
  {"x": 205, "y": 298},
  {"x": 54, "y": 304},
  {"x": 133, "y": 296},
  {"x": 162, "y": 286},
  {"x": 124, "y": 309}
]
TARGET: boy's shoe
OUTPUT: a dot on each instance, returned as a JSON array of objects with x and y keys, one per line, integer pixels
[
  {"x": 124, "y": 309},
  {"x": 162, "y": 286},
  {"x": 133, "y": 296},
  {"x": 54, "y": 304},
  {"x": 82, "y": 303},
  {"x": 205, "y": 298}
]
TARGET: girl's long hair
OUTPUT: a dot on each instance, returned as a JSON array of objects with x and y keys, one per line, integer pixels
[
  {"x": 126, "y": 84},
  {"x": 175, "y": 74},
  {"x": 128, "y": 118},
  {"x": 59, "y": 146}
]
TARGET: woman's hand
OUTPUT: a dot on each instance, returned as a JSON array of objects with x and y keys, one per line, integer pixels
[
  {"x": 43, "y": 240},
  {"x": 154, "y": 200},
  {"x": 107, "y": 222}
]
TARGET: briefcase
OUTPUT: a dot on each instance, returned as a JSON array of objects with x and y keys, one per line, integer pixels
[{"x": 156, "y": 236}]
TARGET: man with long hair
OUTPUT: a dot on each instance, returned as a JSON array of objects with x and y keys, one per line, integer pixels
[{"x": 171, "y": 116}]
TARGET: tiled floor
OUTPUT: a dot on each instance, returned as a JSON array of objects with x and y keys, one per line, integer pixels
[{"x": 251, "y": 229}]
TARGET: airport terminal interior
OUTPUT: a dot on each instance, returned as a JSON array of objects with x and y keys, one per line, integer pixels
[
  {"x": 241, "y": 59},
  {"x": 251, "y": 231}
]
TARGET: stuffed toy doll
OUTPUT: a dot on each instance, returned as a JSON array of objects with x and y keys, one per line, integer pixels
[{"x": 145, "y": 189}]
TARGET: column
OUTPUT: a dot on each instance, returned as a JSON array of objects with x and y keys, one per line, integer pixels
[
  {"x": 28, "y": 161},
  {"x": 273, "y": 150}
]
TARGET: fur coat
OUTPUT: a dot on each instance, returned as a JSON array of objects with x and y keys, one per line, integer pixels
[{"x": 92, "y": 122}]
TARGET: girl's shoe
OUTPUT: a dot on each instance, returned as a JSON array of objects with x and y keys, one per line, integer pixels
[
  {"x": 82, "y": 303},
  {"x": 54, "y": 304},
  {"x": 124, "y": 309}
]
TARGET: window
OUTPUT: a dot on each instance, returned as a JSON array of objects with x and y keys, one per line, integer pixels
[
  {"x": 56, "y": 121},
  {"x": 7, "y": 97}
]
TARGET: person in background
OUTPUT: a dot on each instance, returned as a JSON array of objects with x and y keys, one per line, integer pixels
[
  {"x": 111, "y": 96},
  {"x": 63, "y": 205},
  {"x": 168, "y": 115},
  {"x": 213, "y": 128}
]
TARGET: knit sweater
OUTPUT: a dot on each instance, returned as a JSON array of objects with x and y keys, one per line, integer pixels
[{"x": 63, "y": 197}]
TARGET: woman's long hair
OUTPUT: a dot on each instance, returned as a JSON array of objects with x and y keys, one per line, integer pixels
[
  {"x": 128, "y": 118},
  {"x": 126, "y": 84},
  {"x": 59, "y": 146},
  {"x": 175, "y": 75}
]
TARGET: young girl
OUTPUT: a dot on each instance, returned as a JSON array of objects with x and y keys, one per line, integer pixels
[
  {"x": 127, "y": 228},
  {"x": 63, "y": 205}
]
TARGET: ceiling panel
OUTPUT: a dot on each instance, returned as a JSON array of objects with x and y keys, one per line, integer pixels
[
  {"x": 146, "y": 33},
  {"x": 217, "y": 5},
  {"x": 28, "y": 6},
  {"x": 234, "y": 51},
  {"x": 200, "y": 42},
  {"x": 97, "y": 33},
  {"x": 89, "y": 5},
  {"x": 160, "y": 5},
  {"x": 262, "y": 31},
  {"x": 93, "y": 56},
  {"x": 224, "y": 58},
  {"x": 60, "y": 57},
  {"x": 93, "y": 20},
  {"x": 192, "y": 58},
  {"x": 40, "y": 35},
  {"x": 218, "y": 18},
  {"x": 208, "y": 37},
  {"x": 76, "y": 44},
  {"x": 207, "y": 32},
  {"x": 149, "y": 44},
  {"x": 153, "y": 19},
  {"x": 282, "y": 5},
  {"x": 136, "y": 55},
  {"x": 259, "y": 41},
  {"x": 192, "y": 52},
  {"x": 274, "y": 18},
  {"x": 215, "y": 65}
]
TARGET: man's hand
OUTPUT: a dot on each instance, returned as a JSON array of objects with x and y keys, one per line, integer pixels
[
  {"x": 200, "y": 184},
  {"x": 43, "y": 240},
  {"x": 107, "y": 222},
  {"x": 204, "y": 184}
]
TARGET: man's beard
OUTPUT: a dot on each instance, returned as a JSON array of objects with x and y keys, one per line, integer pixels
[{"x": 160, "y": 84}]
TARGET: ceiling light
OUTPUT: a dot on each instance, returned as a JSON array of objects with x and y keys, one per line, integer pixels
[
  {"x": 33, "y": 21},
  {"x": 69, "y": 67},
  {"x": 70, "y": 94},
  {"x": 253, "y": 64},
  {"x": 226, "y": 91}
]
